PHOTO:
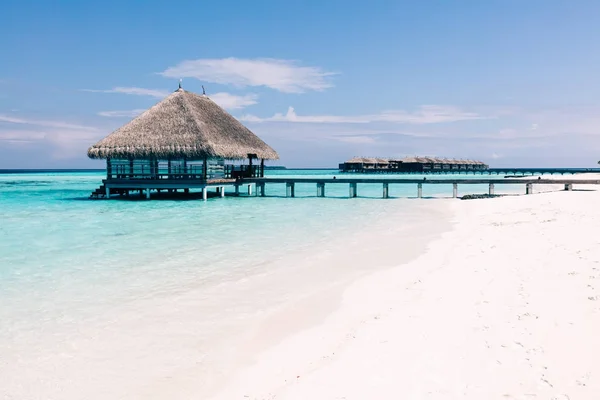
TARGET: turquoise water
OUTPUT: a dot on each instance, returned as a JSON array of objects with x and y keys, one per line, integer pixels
[
  {"x": 87, "y": 287},
  {"x": 50, "y": 231}
]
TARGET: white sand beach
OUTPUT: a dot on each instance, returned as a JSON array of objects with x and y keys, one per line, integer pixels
[{"x": 506, "y": 305}]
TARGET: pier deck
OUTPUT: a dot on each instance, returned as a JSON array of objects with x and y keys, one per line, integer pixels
[
  {"x": 489, "y": 171},
  {"x": 386, "y": 182},
  {"x": 145, "y": 186}
]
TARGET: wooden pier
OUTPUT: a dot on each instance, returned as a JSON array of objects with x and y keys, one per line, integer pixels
[
  {"x": 258, "y": 186},
  {"x": 487, "y": 171},
  {"x": 353, "y": 184}
]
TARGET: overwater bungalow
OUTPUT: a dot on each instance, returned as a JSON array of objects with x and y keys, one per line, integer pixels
[
  {"x": 411, "y": 165},
  {"x": 185, "y": 141}
]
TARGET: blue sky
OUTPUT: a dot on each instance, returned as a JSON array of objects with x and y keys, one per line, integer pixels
[{"x": 510, "y": 82}]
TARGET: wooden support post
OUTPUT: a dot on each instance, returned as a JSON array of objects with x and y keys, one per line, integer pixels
[
  {"x": 107, "y": 192},
  {"x": 455, "y": 190},
  {"x": 568, "y": 186},
  {"x": 419, "y": 190},
  {"x": 386, "y": 190},
  {"x": 491, "y": 189},
  {"x": 290, "y": 189},
  {"x": 148, "y": 193},
  {"x": 186, "y": 190},
  {"x": 237, "y": 190},
  {"x": 108, "y": 169},
  {"x": 320, "y": 189},
  {"x": 222, "y": 191},
  {"x": 353, "y": 190},
  {"x": 249, "y": 189},
  {"x": 205, "y": 169},
  {"x": 262, "y": 167},
  {"x": 261, "y": 186},
  {"x": 204, "y": 193},
  {"x": 529, "y": 188}
]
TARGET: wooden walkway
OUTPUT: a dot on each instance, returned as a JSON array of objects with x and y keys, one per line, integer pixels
[
  {"x": 386, "y": 182},
  {"x": 489, "y": 171},
  {"x": 257, "y": 186}
]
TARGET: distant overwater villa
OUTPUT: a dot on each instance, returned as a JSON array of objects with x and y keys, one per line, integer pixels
[{"x": 184, "y": 142}]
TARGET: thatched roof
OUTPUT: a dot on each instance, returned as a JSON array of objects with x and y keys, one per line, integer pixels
[
  {"x": 416, "y": 159},
  {"x": 183, "y": 124},
  {"x": 368, "y": 160}
]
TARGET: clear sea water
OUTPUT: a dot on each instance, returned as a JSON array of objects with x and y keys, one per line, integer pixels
[{"x": 92, "y": 290}]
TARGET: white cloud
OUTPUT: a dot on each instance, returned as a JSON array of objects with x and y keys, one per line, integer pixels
[
  {"x": 232, "y": 101},
  {"x": 424, "y": 115},
  {"x": 121, "y": 113},
  {"x": 17, "y": 136},
  {"x": 534, "y": 127},
  {"x": 44, "y": 123},
  {"x": 136, "y": 91},
  {"x": 283, "y": 75},
  {"x": 225, "y": 100},
  {"x": 355, "y": 139}
]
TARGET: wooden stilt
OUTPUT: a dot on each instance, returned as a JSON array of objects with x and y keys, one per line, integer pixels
[
  {"x": 321, "y": 189},
  {"x": 204, "y": 193},
  {"x": 222, "y": 191},
  {"x": 290, "y": 189},
  {"x": 386, "y": 190},
  {"x": 250, "y": 188},
  {"x": 353, "y": 190},
  {"x": 491, "y": 192},
  {"x": 148, "y": 193},
  {"x": 455, "y": 190},
  {"x": 419, "y": 190}
]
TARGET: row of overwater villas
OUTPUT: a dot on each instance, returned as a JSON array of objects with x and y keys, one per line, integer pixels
[
  {"x": 207, "y": 169},
  {"x": 410, "y": 165}
]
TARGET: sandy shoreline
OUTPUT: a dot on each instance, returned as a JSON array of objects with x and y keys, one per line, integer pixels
[{"x": 505, "y": 305}]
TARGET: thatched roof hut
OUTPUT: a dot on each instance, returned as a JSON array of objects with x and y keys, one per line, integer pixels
[{"x": 183, "y": 125}]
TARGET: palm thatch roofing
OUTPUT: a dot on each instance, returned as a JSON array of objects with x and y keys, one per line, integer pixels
[
  {"x": 419, "y": 160},
  {"x": 183, "y": 125},
  {"x": 368, "y": 160}
]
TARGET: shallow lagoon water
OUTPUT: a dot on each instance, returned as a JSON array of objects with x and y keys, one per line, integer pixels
[{"x": 86, "y": 286}]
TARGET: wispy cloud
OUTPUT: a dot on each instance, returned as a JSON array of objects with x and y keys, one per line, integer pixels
[
  {"x": 424, "y": 115},
  {"x": 59, "y": 139},
  {"x": 232, "y": 101},
  {"x": 283, "y": 75},
  {"x": 136, "y": 91},
  {"x": 225, "y": 100},
  {"x": 44, "y": 123},
  {"x": 121, "y": 113},
  {"x": 21, "y": 136}
]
